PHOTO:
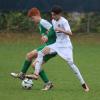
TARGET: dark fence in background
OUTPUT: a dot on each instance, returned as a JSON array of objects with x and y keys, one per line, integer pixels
[{"x": 45, "y": 5}]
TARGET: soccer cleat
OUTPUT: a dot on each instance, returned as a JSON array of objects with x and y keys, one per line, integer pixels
[
  {"x": 18, "y": 75},
  {"x": 85, "y": 87},
  {"x": 32, "y": 76},
  {"x": 48, "y": 86}
]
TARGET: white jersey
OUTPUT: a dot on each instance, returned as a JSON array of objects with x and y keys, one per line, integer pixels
[
  {"x": 44, "y": 23},
  {"x": 62, "y": 38}
]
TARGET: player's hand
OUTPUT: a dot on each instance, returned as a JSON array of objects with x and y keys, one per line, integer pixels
[{"x": 44, "y": 39}]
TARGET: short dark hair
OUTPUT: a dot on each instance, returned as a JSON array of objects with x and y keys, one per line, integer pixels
[{"x": 56, "y": 9}]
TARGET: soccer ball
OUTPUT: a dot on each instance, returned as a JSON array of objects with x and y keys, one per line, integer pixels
[{"x": 27, "y": 83}]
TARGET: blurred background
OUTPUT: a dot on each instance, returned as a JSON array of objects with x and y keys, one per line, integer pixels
[
  {"x": 83, "y": 15},
  {"x": 19, "y": 35}
]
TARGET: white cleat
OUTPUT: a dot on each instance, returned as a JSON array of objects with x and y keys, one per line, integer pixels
[
  {"x": 48, "y": 86},
  {"x": 18, "y": 75},
  {"x": 14, "y": 75}
]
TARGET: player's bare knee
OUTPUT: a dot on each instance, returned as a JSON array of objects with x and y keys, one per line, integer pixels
[
  {"x": 31, "y": 55},
  {"x": 34, "y": 54},
  {"x": 46, "y": 50}
]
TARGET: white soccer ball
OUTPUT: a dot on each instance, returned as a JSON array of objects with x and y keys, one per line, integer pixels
[{"x": 27, "y": 83}]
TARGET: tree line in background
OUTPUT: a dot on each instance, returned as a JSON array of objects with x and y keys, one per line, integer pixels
[{"x": 14, "y": 21}]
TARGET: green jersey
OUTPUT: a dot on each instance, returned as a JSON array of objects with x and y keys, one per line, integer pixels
[{"x": 47, "y": 29}]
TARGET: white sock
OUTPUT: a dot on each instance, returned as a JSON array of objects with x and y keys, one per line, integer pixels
[
  {"x": 39, "y": 62},
  {"x": 77, "y": 72}
]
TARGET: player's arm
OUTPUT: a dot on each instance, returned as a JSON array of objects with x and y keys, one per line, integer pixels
[
  {"x": 48, "y": 33},
  {"x": 63, "y": 31},
  {"x": 66, "y": 28},
  {"x": 48, "y": 27},
  {"x": 44, "y": 38}
]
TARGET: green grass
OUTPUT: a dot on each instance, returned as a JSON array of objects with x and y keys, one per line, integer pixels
[{"x": 66, "y": 85}]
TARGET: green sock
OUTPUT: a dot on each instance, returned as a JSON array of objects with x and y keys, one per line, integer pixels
[
  {"x": 43, "y": 76},
  {"x": 26, "y": 66}
]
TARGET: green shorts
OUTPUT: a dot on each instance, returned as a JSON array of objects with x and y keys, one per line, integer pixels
[{"x": 48, "y": 56}]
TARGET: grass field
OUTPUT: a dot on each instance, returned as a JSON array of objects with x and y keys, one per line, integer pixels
[{"x": 66, "y": 86}]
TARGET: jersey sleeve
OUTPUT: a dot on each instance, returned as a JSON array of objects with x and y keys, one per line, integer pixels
[
  {"x": 46, "y": 24},
  {"x": 66, "y": 26},
  {"x": 48, "y": 27}
]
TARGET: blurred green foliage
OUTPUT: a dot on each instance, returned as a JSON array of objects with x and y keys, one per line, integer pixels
[{"x": 15, "y": 21}]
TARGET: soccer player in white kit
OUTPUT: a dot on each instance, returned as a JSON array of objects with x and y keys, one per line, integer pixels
[{"x": 62, "y": 46}]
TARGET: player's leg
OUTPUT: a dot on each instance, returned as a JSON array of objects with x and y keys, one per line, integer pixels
[
  {"x": 26, "y": 64},
  {"x": 69, "y": 58},
  {"x": 38, "y": 65},
  {"x": 29, "y": 58},
  {"x": 48, "y": 84},
  {"x": 39, "y": 61},
  {"x": 45, "y": 59},
  {"x": 78, "y": 75},
  {"x": 28, "y": 61}
]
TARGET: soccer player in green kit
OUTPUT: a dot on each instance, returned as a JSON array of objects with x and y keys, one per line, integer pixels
[{"x": 48, "y": 37}]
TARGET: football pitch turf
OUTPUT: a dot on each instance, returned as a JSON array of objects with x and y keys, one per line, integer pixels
[{"x": 66, "y": 85}]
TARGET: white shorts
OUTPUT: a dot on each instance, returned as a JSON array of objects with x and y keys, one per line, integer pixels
[{"x": 62, "y": 50}]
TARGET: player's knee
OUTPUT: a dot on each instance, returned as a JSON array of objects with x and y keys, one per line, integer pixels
[
  {"x": 46, "y": 50},
  {"x": 31, "y": 55},
  {"x": 34, "y": 54}
]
